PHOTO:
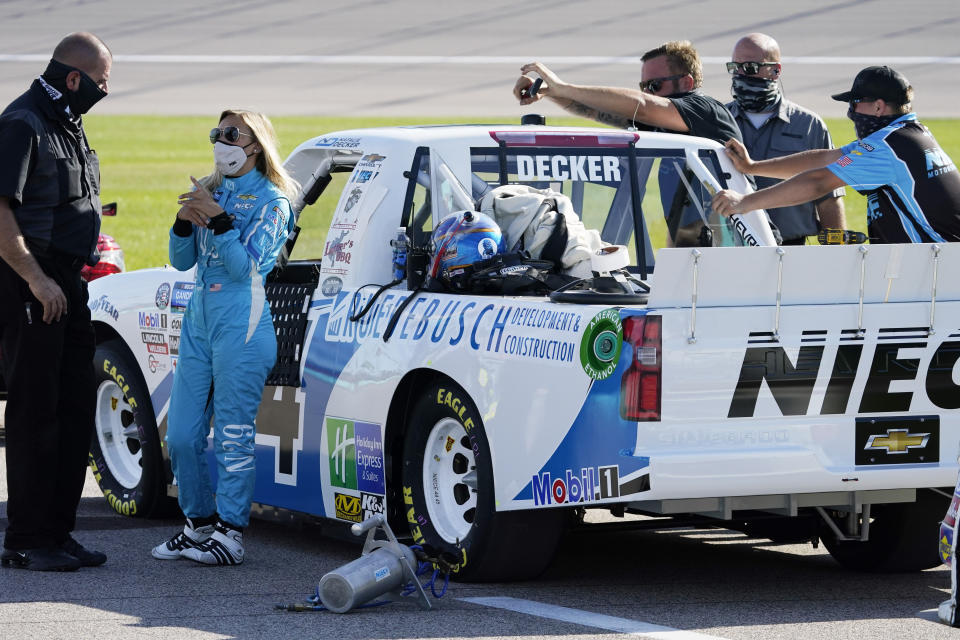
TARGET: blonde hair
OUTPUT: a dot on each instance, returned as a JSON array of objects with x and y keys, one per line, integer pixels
[
  {"x": 681, "y": 58},
  {"x": 268, "y": 163}
]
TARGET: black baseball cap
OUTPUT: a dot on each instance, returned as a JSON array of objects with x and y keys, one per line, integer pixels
[{"x": 877, "y": 82}]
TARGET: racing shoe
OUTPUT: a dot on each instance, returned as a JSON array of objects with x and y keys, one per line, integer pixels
[
  {"x": 224, "y": 547},
  {"x": 189, "y": 538}
]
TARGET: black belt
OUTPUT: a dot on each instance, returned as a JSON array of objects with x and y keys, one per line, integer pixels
[{"x": 64, "y": 261}]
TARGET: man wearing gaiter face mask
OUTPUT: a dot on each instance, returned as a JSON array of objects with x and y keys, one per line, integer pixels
[
  {"x": 773, "y": 126},
  {"x": 912, "y": 186},
  {"x": 49, "y": 222}
]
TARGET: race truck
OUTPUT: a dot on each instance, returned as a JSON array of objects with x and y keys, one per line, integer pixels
[{"x": 793, "y": 393}]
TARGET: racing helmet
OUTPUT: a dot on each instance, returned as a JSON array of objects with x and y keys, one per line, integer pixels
[{"x": 462, "y": 239}]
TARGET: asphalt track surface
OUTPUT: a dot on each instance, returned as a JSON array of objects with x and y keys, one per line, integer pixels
[
  {"x": 415, "y": 57},
  {"x": 409, "y": 57},
  {"x": 685, "y": 584}
]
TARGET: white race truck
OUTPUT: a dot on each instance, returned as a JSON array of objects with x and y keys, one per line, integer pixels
[{"x": 801, "y": 393}]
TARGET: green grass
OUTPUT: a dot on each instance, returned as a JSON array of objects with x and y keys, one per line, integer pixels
[{"x": 146, "y": 161}]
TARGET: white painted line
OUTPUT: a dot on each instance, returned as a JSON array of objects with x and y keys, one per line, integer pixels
[
  {"x": 589, "y": 619},
  {"x": 859, "y": 61}
]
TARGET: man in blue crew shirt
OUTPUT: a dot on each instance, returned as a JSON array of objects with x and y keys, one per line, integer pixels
[{"x": 912, "y": 186}]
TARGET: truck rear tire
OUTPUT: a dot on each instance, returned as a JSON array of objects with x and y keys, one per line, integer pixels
[
  {"x": 449, "y": 501},
  {"x": 903, "y": 536},
  {"x": 125, "y": 449}
]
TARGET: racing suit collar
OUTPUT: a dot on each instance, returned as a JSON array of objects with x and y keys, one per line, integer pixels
[{"x": 245, "y": 181}]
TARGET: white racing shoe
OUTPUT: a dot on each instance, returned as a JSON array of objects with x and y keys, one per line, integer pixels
[
  {"x": 187, "y": 539},
  {"x": 224, "y": 547}
]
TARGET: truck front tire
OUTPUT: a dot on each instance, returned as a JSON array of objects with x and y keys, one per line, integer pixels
[{"x": 125, "y": 449}]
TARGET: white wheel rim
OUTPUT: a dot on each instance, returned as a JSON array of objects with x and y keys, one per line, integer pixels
[
  {"x": 450, "y": 480},
  {"x": 118, "y": 435}
]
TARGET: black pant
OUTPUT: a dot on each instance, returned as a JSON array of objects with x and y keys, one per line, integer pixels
[{"x": 51, "y": 400}]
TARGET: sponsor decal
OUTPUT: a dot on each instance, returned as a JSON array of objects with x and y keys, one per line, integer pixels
[
  {"x": 338, "y": 251},
  {"x": 371, "y": 158},
  {"x": 897, "y": 440},
  {"x": 347, "y": 507},
  {"x": 103, "y": 304},
  {"x": 449, "y": 444},
  {"x": 369, "y": 449},
  {"x": 382, "y": 573},
  {"x": 246, "y": 196},
  {"x": 149, "y": 337},
  {"x": 162, "y": 297},
  {"x": 371, "y": 505},
  {"x": 938, "y": 162},
  {"x": 844, "y": 161},
  {"x": 866, "y": 146},
  {"x": 156, "y": 342},
  {"x": 331, "y": 286},
  {"x": 491, "y": 328},
  {"x": 182, "y": 292},
  {"x": 887, "y": 385},
  {"x": 334, "y": 141},
  {"x": 342, "y": 451},
  {"x": 155, "y": 364},
  {"x": 563, "y": 167},
  {"x": 175, "y": 323},
  {"x": 601, "y": 344},
  {"x": 583, "y": 485},
  {"x": 152, "y": 320},
  {"x": 243, "y": 206},
  {"x": 353, "y": 199},
  {"x": 363, "y": 176},
  {"x": 356, "y": 455},
  {"x": 174, "y": 341}
]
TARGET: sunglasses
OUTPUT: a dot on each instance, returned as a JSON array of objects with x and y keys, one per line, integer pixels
[
  {"x": 654, "y": 85},
  {"x": 855, "y": 101},
  {"x": 748, "y": 68},
  {"x": 230, "y": 134}
]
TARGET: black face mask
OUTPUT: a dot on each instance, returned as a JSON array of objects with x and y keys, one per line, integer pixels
[
  {"x": 754, "y": 94},
  {"x": 866, "y": 124},
  {"x": 86, "y": 95}
]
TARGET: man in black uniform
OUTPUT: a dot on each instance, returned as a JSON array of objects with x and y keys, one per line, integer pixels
[{"x": 49, "y": 223}]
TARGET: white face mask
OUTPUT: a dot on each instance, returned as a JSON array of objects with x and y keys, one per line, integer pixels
[{"x": 228, "y": 158}]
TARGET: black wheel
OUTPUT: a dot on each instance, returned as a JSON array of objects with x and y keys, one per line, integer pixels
[
  {"x": 903, "y": 536},
  {"x": 449, "y": 501},
  {"x": 125, "y": 450}
]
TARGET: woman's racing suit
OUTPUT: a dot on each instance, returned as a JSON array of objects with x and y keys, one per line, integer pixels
[{"x": 227, "y": 340}]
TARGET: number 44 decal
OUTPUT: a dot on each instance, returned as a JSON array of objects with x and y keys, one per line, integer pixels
[{"x": 280, "y": 425}]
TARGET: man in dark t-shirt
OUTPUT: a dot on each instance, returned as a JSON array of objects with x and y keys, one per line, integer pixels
[
  {"x": 669, "y": 100},
  {"x": 912, "y": 186}
]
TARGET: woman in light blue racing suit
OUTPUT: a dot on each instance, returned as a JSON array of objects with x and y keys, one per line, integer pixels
[{"x": 231, "y": 226}]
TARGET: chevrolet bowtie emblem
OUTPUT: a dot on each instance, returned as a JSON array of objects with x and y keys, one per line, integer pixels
[{"x": 897, "y": 441}]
